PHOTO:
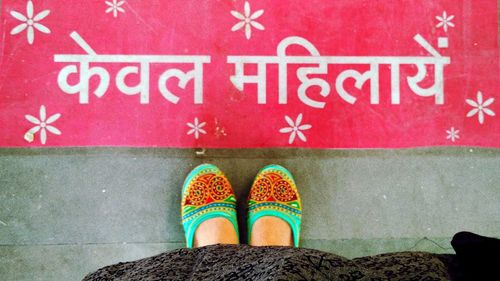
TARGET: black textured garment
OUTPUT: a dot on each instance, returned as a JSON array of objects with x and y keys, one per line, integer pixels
[{"x": 242, "y": 262}]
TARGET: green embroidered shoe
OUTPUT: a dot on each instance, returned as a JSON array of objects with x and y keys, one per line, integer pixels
[
  {"x": 206, "y": 194},
  {"x": 275, "y": 194}
]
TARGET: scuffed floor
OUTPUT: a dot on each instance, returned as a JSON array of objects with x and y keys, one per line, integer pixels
[{"x": 66, "y": 212}]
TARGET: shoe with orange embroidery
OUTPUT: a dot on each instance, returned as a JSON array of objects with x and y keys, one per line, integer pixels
[
  {"x": 274, "y": 193},
  {"x": 206, "y": 194}
]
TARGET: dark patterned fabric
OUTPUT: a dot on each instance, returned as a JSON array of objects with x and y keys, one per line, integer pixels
[
  {"x": 225, "y": 262},
  {"x": 406, "y": 266}
]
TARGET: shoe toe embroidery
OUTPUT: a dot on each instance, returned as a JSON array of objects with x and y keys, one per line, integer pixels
[
  {"x": 210, "y": 190},
  {"x": 274, "y": 189}
]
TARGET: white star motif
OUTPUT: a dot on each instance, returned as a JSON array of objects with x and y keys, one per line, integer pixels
[
  {"x": 452, "y": 134},
  {"x": 445, "y": 21},
  {"x": 480, "y": 107},
  {"x": 295, "y": 129},
  {"x": 247, "y": 20},
  {"x": 196, "y": 128},
  {"x": 115, "y": 7},
  {"x": 42, "y": 125},
  {"x": 30, "y": 22}
]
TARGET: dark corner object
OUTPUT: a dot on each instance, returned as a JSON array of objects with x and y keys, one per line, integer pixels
[{"x": 478, "y": 256}]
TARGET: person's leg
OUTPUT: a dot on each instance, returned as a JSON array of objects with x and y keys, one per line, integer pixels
[
  {"x": 271, "y": 231},
  {"x": 215, "y": 231}
]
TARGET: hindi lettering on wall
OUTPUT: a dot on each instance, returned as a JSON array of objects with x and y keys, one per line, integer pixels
[{"x": 241, "y": 74}]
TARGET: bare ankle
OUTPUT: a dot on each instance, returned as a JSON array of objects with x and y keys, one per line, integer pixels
[
  {"x": 215, "y": 231},
  {"x": 271, "y": 231}
]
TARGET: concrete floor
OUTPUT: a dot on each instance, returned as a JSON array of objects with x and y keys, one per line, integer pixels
[{"x": 67, "y": 212}]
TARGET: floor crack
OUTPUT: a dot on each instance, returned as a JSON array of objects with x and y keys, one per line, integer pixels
[{"x": 429, "y": 240}]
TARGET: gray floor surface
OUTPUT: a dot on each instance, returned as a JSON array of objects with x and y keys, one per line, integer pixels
[{"x": 67, "y": 212}]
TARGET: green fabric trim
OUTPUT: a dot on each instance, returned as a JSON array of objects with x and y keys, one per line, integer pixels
[{"x": 276, "y": 167}]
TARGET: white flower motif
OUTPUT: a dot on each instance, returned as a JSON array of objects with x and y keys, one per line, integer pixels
[
  {"x": 30, "y": 22},
  {"x": 247, "y": 20},
  {"x": 452, "y": 134},
  {"x": 295, "y": 129},
  {"x": 196, "y": 128},
  {"x": 42, "y": 125},
  {"x": 115, "y": 7},
  {"x": 445, "y": 21},
  {"x": 480, "y": 107}
]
